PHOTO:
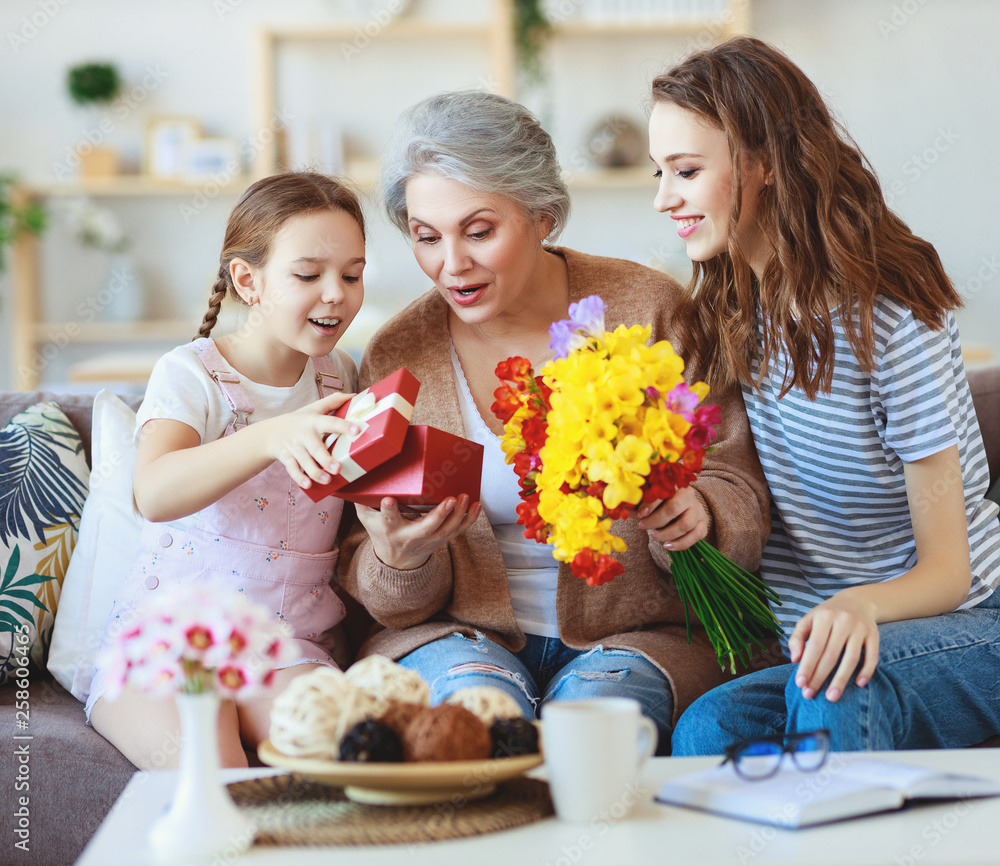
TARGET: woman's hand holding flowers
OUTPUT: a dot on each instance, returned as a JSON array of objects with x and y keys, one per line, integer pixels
[{"x": 677, "y": 523}]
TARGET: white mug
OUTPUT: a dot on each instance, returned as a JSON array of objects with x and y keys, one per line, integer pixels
[{"x": 593, "y": 751}]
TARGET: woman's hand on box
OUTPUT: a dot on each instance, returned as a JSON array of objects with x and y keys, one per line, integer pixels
[{"x": 406, "y": 543}]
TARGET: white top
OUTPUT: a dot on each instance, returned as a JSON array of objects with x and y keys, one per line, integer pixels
[
  {"x": 839, "y": 509},
  {"x": 181, "y": 389},
  {"x": 532, "y": 571}
]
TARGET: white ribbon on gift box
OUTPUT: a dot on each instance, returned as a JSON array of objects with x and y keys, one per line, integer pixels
[{"x": 362, "y": 408}]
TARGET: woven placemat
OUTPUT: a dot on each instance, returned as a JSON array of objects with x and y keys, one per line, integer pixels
[{"x": 292, "y": 810}]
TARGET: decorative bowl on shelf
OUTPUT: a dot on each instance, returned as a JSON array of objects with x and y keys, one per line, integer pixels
[{"x": 617, "y": 142}]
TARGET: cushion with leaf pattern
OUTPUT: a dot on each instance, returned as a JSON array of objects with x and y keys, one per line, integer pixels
[{"x": 43, "y": 485}]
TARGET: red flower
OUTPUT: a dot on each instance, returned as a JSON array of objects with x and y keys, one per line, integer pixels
[
  {"x": 704, "y": 422},
  {"x": 199, "y": 637},
  {"x": 596, "y": 569},
  {"x": 545, "y": 389},
  {"x": 660, "y": 483},
  {"x": 527, "y": 515},
  {"x": 507, "y": 403},
  {"x": 516, "y": 369},
  {"x": 232, "y": 677},
  {"x": 522, "y": 464},
  {"x": 535, "y": 431},
  {"x": 237, "y": 641},
  {"x": 692, "y": 461}
]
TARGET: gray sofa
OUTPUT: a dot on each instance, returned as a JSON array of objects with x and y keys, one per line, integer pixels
[{"x": 76, "y": 775}]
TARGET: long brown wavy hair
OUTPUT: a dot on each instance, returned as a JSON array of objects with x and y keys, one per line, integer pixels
[
  {"x": 260, "y": 214},
  {"x": 834, "y": 243}
]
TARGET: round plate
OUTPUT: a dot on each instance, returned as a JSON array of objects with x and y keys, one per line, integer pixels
[{"x": 405, "y": 783}]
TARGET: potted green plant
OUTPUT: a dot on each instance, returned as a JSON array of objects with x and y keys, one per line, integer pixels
[
  {"x": 16, "y": 216},
  {"x": 532, "y": 29},
  {"x": 94, "y": 85}
]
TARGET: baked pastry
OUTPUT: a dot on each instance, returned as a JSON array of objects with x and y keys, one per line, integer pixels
[
  {"x": 310, "y": 717},
  {"x": 446, "y": 732}
]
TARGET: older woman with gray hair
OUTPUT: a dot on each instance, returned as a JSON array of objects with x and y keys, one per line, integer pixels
[{"x": 458, "y": 593}]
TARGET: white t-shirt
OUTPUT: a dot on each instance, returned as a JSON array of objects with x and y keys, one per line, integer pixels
[
  {"x": 532, "y": 571},
  {"x": 839, "y": 509},
  {"x": 181, "y": 389}
]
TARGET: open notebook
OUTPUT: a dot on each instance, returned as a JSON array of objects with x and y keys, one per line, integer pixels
[{"x": 848, "y": 785}]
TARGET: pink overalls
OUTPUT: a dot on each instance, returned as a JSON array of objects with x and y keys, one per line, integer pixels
[{"x": 266, "y": 539}]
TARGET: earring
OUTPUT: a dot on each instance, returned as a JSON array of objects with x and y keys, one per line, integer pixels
[{"x": 254, "y": 300}]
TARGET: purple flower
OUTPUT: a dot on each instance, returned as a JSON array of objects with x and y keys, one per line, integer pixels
[{"x": 586, "y": 319}]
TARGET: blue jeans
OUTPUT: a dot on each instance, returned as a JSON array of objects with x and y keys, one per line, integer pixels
[
  {"x": 545, "y": 670},
  {"x": 937, "y": 685}
]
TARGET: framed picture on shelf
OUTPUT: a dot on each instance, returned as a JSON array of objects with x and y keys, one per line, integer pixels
[
  {"x": 167, "y": 141},
  {"x": 211, "y": 157}
]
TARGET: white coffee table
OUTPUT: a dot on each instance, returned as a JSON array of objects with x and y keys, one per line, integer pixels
[{"x": 956, "y": 833}]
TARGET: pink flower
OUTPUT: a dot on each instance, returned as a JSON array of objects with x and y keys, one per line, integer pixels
[
  {"x": 683, "y": 401},
  {"x": 195, "y": 639}
]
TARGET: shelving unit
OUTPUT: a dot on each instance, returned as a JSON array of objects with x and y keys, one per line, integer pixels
[
  {"x": 31, "y": 332},
  {"x": 496, "y": 32},
  {"x": 113, "y": 359}
]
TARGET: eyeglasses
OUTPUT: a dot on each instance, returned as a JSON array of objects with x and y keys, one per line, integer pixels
[{"x": 755, "y": 760}]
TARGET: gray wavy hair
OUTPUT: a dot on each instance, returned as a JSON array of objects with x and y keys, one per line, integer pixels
[{"x": 488, "y": 142}]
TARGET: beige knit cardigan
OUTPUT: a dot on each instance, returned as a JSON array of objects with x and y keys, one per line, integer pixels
[{"x": 463, "y": 586}]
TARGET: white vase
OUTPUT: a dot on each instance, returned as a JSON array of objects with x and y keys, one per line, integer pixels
[
  {"x": 123, "y": 298},
  {"x": 202, "y": 822}
]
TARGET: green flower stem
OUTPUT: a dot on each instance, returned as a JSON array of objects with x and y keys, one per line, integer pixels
[{"x": 729, "y": 601}]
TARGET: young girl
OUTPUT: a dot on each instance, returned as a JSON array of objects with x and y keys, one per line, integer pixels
[
  {"x": 231, "y": 428},
  {"x": 838, "y": 324}
]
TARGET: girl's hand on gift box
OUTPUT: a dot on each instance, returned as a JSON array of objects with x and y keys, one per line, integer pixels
[
  {"x": 407, "y": 543},
  {"x": 677, "y": 523},
  {"x": 298, "y": 439}
]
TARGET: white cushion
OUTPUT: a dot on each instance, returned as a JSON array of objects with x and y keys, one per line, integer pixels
[{"x": 108, "y": 543}]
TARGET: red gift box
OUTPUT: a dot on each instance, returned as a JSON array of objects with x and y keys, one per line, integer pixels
[
  {"x": 432, "y": 466},
  {"x": 383, "y": 413}
]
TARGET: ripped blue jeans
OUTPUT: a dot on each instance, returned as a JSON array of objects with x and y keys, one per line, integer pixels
[{"x": 544, "y": 670}]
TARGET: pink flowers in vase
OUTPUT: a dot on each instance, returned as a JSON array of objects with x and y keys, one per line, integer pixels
[{"x": 194, "y": 640}]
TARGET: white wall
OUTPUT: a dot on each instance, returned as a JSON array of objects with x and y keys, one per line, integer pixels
[{"x": 914, "y": 81}]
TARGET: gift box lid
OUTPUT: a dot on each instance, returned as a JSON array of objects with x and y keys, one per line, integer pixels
[{"x": 383, "y": 412}]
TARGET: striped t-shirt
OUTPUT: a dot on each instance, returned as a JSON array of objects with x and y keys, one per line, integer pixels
[{"x": 834, "y": 464}]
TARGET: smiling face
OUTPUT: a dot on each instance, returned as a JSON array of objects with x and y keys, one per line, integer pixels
[
  {"x": 481, "y": 250},
  {"x": 697, "y": 185},
  {"x": 311, "y": 287}
]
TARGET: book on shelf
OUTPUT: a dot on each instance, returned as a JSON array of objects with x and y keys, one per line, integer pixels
[{"x": 847, "y": 786}]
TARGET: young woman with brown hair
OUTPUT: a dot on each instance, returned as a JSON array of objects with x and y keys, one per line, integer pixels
[{"x": 837, "y": 323}]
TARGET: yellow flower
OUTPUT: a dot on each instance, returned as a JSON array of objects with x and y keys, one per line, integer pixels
[
  {"x": 627, "y": 342},
  {"x": 664, "y": 431},
  {"x": 633, "y": 455},
  {"x": 626, "y": 487},
  {"x": 578, "y": 522}
]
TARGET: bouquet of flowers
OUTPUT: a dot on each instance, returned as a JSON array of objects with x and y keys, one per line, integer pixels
[
  {"x": 608, "y": 424},
  {"x": 193, "y": 641}
]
